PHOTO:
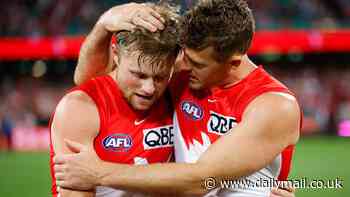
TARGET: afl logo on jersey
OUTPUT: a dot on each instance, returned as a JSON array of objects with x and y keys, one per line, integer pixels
[
  {"x": 192, "y": 110},
  {"x": 117, "y": 143}
]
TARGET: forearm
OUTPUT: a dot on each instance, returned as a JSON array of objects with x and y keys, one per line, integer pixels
[
  {"x": 171, "y": 179},
  {"x": 94, "y": 56},
  {"x": 72, "y": 193},
  {"x": 249, "y": 155}
]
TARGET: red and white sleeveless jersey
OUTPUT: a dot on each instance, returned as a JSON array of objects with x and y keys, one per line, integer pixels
[
  {"x": 123, "y": 136},
  {"x": 201, "y": 117}
]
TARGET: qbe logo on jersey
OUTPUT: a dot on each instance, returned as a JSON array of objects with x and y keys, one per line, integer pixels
[
  {"x": 220, "y": 124},
  {"x": 117, "y": 143},
  {"x": 158, "y": 137},
  {"x": 192, "y": 110}
]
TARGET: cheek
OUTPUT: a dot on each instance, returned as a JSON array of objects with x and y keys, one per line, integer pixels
[
  {"x": 204, "y": 74},
  {"x": 131, "y": 82},
  {"x": 128, "y": 82}
]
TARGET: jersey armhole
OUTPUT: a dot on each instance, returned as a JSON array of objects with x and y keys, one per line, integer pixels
[{"x": 243, "y": 106}]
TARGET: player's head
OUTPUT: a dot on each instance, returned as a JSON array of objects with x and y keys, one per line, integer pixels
[
  {"x": 216, "y": 34},
  {"x": 144, "y": 60}
]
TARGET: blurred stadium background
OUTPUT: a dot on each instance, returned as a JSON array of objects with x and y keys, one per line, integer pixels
[{"x": 306, "y": 44}]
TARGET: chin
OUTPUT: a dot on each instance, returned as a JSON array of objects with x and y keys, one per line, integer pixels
[
  {"x": 195, "y": 86},
  {"x": 141, "y": 107}
]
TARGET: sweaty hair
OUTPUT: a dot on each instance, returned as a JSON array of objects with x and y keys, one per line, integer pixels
[
  {"x": 226, "y": 25},
  {"x": 157, "y": 48}
]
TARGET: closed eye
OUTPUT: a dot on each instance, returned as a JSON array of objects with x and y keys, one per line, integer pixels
[
  {"x": 193, "y": 63},
  {"x": 139, "y": 75}
]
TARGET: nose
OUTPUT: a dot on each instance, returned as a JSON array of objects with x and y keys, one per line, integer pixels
[
  {"x": 180, "y": 63},
  {"x": 148, "y": 87}
]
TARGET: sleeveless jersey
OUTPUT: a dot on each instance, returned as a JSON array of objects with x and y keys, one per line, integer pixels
[
  {"x": 123, "y": 136},
  {"x": 202, "y": 117}
]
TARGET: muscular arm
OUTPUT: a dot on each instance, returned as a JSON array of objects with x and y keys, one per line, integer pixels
[
  {"x": 270, "y": 124},
  {"x": 77, "y": 119},
  {"x": 95, "y": 56}
]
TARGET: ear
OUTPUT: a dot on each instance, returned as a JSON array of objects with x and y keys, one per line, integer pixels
[
  {"x": 235, "y": 61},
  {"x": 179, "y": 61},
  {"x": 114, "y": 48},
  {"x": 115, "y": 51}
]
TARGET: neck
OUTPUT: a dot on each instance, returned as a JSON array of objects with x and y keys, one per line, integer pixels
[{"x": 238, "y": 73}]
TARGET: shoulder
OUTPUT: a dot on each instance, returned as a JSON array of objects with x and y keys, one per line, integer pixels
[
  {"x": 275, "y": 111},
  {"x": 76, "y": 110},
  {"x": 277, "y": 102},
  {"x": 75, "y": 100}
]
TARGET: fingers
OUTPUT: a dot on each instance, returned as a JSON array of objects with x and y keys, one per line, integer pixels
[
  {"x": 59, "y": 159},
  {"x": 148, "y": 19},
  {"x": 155, "y": 18},
  {"x": 74, "y": 146},
  {"x": 59, "y": 183},
  {"x": 59, "y": 176},
  {"x": 130, "y": 27},
  {"x": 274, "y": 195},
  {"x": 63, "y": 184},
  {"x": 58, "y": 168},
  {"x": 289, "y": 188},
  {"x": 277, "y": 192},
  {"x": 157, "y": 15},
  {"x": 138, "y": 21}
]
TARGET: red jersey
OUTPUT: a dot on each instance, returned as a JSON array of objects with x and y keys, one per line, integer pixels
[
  {"x": 203, "y": 116},
  {"x": 123, "y": 137}
]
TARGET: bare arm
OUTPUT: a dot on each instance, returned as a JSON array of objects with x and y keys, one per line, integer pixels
[
  {"x": 269, "y": 124},
  {"x": 95, "y": 57},
  {"x": 76, "y": 118}
]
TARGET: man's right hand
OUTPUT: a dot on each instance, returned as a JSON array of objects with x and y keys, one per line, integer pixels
[
  {"x": 95, "y": 57},
  {"x": 129, "y": 16}
]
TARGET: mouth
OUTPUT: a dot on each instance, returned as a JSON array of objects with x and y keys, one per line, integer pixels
[
  {"x": 193, "y": 79},
  {"x": 144, "y": 97}
]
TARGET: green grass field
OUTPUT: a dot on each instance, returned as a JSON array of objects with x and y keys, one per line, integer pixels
[{"x": 27, "y": 174}]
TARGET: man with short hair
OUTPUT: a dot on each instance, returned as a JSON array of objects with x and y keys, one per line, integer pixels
[
  {"x": 232, "y": 121},
  {"x": 115, "y": 114}
]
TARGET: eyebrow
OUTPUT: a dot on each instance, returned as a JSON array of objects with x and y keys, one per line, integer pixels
[
  {"x": 192, "y": 60},
  {"x": 153, "y": 74}
]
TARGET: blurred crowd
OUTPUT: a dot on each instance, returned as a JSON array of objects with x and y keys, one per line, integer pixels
[
  {"x": 323, "y": 94},
  {"x": 301, "y": 14},
  {"x": 56, "y": 17},
  {"x": 28, "y": 102},
  {"x": 26, "y": 105}
]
